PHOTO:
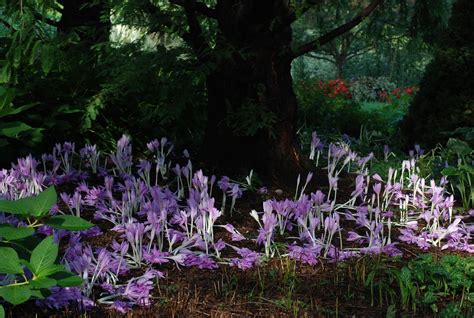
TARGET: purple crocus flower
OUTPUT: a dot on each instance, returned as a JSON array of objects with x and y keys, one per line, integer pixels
[
  {"x": 202, "y": 261},
  {"x": 248, "y": 258},
  {"x": 121, "y": 306},
  {"x": 236, "y": 235},
  {"x": 155, "y": 256},
  {"x": 307, "y": 254}
]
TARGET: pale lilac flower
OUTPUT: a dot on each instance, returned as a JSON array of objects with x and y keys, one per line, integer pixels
[
  {"x": 249, "y": 259},
  {"x": 307, "y": 254},
  {"x": 202, "y": 261},
  {"x": 121, "y": 306}
]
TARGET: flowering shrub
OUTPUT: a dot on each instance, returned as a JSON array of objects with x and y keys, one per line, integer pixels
[
  {"x": 370, "y": 88},
  {"x": 328, "y": 106},
  {"x": 335, "y": 89},
  {"x": 397, "y": 94}
]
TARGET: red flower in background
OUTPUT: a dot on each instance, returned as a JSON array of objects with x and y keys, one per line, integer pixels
[
  {"x": 397, "y": 92},
  {"x": 335, "y": 88},
  {"x": 409, "y": 90}
]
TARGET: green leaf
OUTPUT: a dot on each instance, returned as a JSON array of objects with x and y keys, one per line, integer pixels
[
  {"x": 15, "y": 295},
  {"x": 17, "y": 56},
  {"x": 450, "y": 171},
  {"x": 35, "y": 206},
  {"x": 13, "y": 111},
  {"x": 34, "y": 52},
  {"x": 67, "y": 279},
  {"x": 13, "y": 129},
  {"x": 10, "y": 262},
  {"x": 6, "y": 98},
  {"x": 466, "y": 168},
  {"x": 68, "y": 222},
  {"x": 11, "y": 233},
  {"x": 47, "y": 58},
  {"x": 2, "y": 312},
  {"x": 6, "y": 73},
  {"x": 53, "y": 269},
  {"x": 458, "y": 146},
  {"x": 42, "y": 282},
  {"x": 44, "y": 256},
  {"x": 40, "y": 293}
]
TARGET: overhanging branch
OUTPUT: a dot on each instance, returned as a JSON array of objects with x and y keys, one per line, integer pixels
[
  {"x": 320, "y": 57},
  {"x": 195, "y": 37},
  {"x": 313, "y": 45}
]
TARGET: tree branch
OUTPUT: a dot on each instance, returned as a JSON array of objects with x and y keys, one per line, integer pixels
[
  {"x": 195, "y": 37},
  {"x": 196, "y": 6},
  {"x": 321, "y": 57},
  {"x": 313, "y": 45}
]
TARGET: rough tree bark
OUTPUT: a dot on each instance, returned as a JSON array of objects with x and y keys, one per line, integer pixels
[{"x": 257, "y": 74}]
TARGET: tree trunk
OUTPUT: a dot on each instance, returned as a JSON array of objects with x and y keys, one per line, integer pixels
[
  {"x": 340, "y": 61},
  {"x": 250, "y": 87}
]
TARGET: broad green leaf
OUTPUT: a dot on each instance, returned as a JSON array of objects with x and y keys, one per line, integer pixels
[
  {"x": 34, "y": 51},
  {"x": 44, "y": 256},
  {"x": 466, "y": 168},
  {"x": 458, "y": 146},
  {"x": 17, "y": 56},
  {"x": 67, "y": 279},
  {"x": 15, "y": 295},
  {"x": 40, "y": 293},
  {"x": 9, "y": 261},
  {"x": 16, "y": 110},
  {"x": 47, "y": 58},
  {"x": 35, "y": 206},
  {"x": 11, "y": 233},
  {"x": 68, "y": 222},
  {"x": 450, "y": 171},
  {"x": 405, "y": 275},
  {"x": 6, "y": 98},
  {"x": 2, "y": 312},
  {"x": 13, "y": 129},
  {"x": 53, "y": 269},
  {"x": 42, "y": 282},
  {"x": 6, "y": 73}
]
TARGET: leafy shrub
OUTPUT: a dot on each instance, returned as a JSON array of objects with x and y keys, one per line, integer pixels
[
  {"x": 371, "y": 88},
  {"x": 328, "y": 106},
  {"x": 12, "y": 129},
  {"x": 424, "y": 282},
  {"x": 29, "y": 264},
  {"x": 446, "y": 98},
  {"x": 461, "y": 174}
]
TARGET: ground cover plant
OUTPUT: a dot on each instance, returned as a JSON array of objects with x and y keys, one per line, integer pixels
[{"x": 158, "y": 215}]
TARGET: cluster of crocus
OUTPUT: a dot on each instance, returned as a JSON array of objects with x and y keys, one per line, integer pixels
[
  {"x": 163, "y": 212},
  {"x": 422, "y": 210},
  {"x": 159, "y": 215}
]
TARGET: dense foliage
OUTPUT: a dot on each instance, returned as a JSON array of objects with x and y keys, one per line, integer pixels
[{"x": 445, "y": 101}]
